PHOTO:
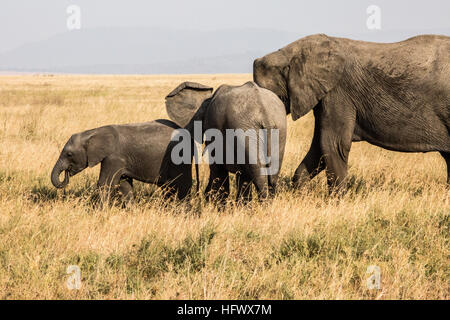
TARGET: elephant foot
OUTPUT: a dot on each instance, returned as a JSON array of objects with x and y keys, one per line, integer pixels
[
  {"x": 338, "y": 189},
  {"x": 303, "y": 176}
]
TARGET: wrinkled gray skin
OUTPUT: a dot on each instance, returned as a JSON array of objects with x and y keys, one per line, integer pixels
[
  {"x": 133, "y": 151},
  {"x": 231, "y": 107},
  {"x": 395, "y": 96}
]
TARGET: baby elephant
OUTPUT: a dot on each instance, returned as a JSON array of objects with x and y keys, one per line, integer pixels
[
  {"x": 245, "y": 133},
  {"x": 139, "y": 151}
]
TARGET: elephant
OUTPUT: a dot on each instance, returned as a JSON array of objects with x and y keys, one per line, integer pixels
[
  {"x": 126, "y": 152},
  {"x": 392, "y": 95},
  {"x": 246, "y": 110}
]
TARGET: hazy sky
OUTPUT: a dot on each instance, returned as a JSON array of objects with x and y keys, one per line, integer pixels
[{"x": 23, "y": 21}]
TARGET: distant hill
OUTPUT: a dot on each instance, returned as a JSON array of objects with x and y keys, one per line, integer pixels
[{"x": 153, "y": 50}]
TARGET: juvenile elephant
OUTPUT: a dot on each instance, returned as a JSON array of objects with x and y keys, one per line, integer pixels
[
  {"x": 392, "y": 95},
  {"x": 132, "y": 151},
  {"x": 230, "y": 119}
]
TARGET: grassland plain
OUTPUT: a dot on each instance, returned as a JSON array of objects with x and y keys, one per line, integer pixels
[{"x": 300, "y": 245}]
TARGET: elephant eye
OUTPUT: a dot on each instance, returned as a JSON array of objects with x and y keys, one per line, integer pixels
[{"x": 69, "y": 154}]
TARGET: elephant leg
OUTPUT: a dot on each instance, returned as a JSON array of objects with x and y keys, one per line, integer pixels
[
  {"x": 168, "y": 187},
  {"x": 260, "y": 181},
  {"x": 218, "y": 188},
  {"x": 272, "y": 184},
  {"x": 446, "y": 156},
  {"x": 110, "y": 176},
  {"x": 169, "y": 191},
  {"x": 126, "y": 189},
  {"x": 335, "y": 141},
  {"x": 183, "y": 186},
  {"x": 262, "y": 187},
  {"x": 176, "y": 180},
  {"x": 244, "y": 188},
  {"x": 183, "y": 193},
  {"x": 313, "y": 162}
]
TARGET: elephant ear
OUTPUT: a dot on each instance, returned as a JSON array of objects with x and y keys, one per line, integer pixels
[
  {"x": 185, "y": 100},
  {"x": 100, "y": 143},
  {"x": 313, "y": 72}
]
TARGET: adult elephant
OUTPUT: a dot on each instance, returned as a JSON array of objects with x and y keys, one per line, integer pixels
[{"x": 392, "y": 95}]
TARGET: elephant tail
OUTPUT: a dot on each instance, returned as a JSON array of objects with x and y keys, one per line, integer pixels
[
  {"x": 196, "y": 176},
  {"x": 271, "y": 167}
]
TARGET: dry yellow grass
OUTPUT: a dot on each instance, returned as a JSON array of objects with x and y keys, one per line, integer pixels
[{"x": 299, "y": 245}]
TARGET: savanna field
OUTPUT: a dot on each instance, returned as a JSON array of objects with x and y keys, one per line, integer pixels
[{"x": 299, "y": 245}]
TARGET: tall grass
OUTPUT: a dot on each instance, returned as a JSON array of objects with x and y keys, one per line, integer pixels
[{"x": 302, "y": 244}]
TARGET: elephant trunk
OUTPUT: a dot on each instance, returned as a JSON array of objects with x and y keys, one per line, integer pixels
[{"x": 57, "y": 169}]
